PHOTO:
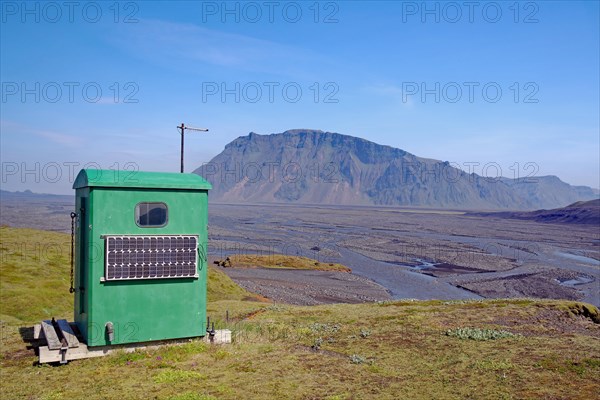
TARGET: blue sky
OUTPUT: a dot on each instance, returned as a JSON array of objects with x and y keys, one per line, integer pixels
[{"x": 105, "y": 85}]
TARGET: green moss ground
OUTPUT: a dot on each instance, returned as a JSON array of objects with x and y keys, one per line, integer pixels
[{"x": 389, "y": 350}]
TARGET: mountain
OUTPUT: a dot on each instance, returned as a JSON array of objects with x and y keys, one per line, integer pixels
[
  {"x": 550, "y": 191},
  {"x": 28, "y": 195},
  {"x": 581, "y": 212},
  {"x": 316, "y": 167}
]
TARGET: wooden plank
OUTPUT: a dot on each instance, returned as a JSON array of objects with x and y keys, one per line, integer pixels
[
  {"x": 48, "y": 355},
  {"x": 78, "y": 353},
  {"x": 67, "y": 333},
  {"x": 51, "y": 336},
  {"x": 37, "y": 329}
]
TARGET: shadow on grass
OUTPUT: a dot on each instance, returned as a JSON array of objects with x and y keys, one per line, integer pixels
[{"x": 27, "y": 335}]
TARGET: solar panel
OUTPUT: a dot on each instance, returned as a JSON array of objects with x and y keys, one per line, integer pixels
[{"x": 151, "y": 257}]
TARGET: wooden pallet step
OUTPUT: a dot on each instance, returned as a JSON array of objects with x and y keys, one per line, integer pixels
[
  {"x": 37, "y": 331},
  {"x": 51, "y": 336},
  {"x": 68, "y": 333},
  {"x": 48, "y": 355}
]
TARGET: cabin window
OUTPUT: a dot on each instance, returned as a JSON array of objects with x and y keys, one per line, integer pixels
[{"x": 151, "y": 215}]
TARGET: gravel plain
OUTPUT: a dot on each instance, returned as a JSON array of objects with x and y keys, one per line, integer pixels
[
  {"x": 393, "y": 252},
  {"x": 419, "y": 253},
  {"x": 303, "y": 287}
]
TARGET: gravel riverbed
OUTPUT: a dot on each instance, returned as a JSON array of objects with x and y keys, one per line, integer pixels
[{"x": 306, "y": 287}]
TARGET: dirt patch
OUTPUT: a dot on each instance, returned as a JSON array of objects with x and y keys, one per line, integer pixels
[
  {"x": 560, "y": 320},
  {"x": 312, "y": 349},
  {"x": 551, "y": 322},
  {"x": 19, "y": 354}
]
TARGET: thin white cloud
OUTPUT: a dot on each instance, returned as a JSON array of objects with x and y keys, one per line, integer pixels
[
  {"x": 63, "y": 139},
  {"x": 393, "y": 91},
  {"x": 59, "y": 138},
  {"x": 169, "y": 43}
]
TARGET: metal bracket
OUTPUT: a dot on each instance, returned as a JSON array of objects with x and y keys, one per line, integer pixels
[{"x": 63, "y": 354}]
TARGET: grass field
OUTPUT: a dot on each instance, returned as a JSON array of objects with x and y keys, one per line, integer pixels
[
  {"x": 284, "y": 261},
  {"x": 497, "y": 349}
]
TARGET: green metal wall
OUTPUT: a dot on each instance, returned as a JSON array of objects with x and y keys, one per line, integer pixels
[{"x": 145, "y": 309}]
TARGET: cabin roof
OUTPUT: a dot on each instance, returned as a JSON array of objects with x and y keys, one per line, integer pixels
[{"x": 139, "y": 179}]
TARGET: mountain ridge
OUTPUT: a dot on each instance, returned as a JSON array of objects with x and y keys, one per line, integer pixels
[
  {"x": 580, "y": 212},
  {"x": 308, "y": 166}
]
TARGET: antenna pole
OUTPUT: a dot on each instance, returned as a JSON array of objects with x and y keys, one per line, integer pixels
[{"x": 183, "y": 128}]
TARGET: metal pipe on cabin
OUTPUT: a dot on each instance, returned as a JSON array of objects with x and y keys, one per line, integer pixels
[{"x": 110, "y": 331}]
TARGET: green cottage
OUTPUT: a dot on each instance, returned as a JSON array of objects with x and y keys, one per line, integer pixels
[{"x": 140, "y": 256}]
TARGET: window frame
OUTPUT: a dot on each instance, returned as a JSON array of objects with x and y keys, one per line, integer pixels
[{"x": 137, "y": 219}]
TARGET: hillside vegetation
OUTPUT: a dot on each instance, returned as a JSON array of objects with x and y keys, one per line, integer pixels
[
  {"x": 284, "y": 261},
  {"x": 497, "y": 349}
]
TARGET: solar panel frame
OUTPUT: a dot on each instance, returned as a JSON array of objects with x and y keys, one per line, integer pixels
[{"x": 137, "y": 257}]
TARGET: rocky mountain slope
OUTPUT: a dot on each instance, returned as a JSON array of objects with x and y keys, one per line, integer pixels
[
  {"x": 581, "y": 212},
  {"x": 311, "y": 166}
]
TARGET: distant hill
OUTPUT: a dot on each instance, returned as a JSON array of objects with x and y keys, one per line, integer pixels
[
  {"x": 36, "y": 210},
  {"x": 311, "y": 166},
  {"x": 581, "y": 212},
  {"x": 28, "y": 195}
]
